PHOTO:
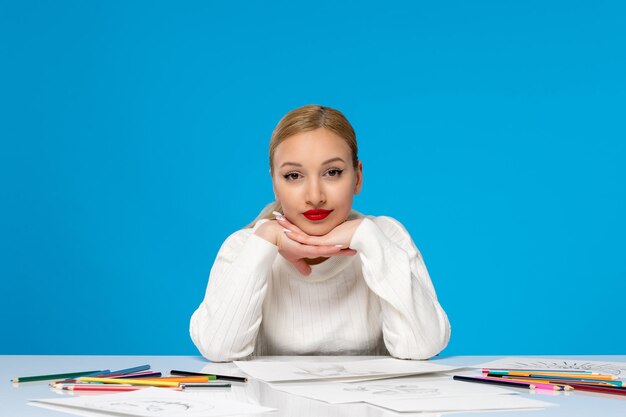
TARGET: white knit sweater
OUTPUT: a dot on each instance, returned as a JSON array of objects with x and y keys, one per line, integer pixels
[{"x": 380, "y": 301}]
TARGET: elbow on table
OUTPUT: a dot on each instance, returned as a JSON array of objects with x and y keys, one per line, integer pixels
[
  {"x": 213, "y": 350},
  {"x": 217, "y": 355},
  {"x": 431, "y": 345},
  {"x": 424, "y": 353},
  {"x": 436, "y": 342}
]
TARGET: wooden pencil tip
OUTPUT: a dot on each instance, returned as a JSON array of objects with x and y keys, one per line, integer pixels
[{"x": 15, "y": 380}]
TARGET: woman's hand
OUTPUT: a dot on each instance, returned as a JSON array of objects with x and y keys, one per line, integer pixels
[
  {"x": 294, "y": 251},
  {"x": 340, "y": 236}
]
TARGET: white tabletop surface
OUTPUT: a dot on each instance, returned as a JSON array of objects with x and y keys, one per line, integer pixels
[{"x": 14, "y": 397}]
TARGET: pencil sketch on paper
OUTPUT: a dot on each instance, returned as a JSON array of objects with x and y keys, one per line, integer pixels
[
  {"x": 393, "y": 390},
  {"x": 606, "y": 368},
  {"x": 154, "y": 402},
  {"x": 331, "y": 370},
  {"x": 150, "y": 406}
]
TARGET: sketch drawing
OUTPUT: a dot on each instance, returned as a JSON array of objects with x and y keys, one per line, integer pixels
[
  {"x": 570, "y": 365},
  {"x": 331, "y": 370},
  {"x": 151, "y": 407},
  {"x": 395, "y": 390}
]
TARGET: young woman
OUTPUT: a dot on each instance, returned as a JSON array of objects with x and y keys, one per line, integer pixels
[{"x": 312, "y": 276}]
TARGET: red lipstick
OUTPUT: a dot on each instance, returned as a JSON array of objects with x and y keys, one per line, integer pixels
[{"x": 316, "y": 215}]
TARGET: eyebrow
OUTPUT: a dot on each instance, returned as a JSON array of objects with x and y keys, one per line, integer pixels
[{"x": 323, "y": 163}]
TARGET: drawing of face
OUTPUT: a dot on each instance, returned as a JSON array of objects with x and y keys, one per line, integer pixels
[{"x": 315, "y": 180}]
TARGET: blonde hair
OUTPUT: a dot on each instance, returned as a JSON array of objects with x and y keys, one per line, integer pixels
[{"x": 306, "y": 119}]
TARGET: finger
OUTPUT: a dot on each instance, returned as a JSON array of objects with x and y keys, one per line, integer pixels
[
  {"x": 282, "y": 220},
  {"x": 306, "y": 251},
  {"x": 346, "y": 252},
  {"x": 305, "y": 239}
]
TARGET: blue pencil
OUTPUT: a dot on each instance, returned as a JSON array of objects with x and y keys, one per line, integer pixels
[{"x": 132, "y": 370}]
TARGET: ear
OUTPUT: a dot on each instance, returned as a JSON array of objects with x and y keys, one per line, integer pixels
[{"x": 359, "y": 178}]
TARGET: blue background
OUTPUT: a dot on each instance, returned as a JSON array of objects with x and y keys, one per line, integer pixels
[{"x": 134, "y": 140}]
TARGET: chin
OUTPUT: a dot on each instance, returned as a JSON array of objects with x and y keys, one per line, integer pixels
[{"x": 317, "y": 229}]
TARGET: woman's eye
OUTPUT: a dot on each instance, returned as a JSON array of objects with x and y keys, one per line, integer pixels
[
  {"x": 292, "y": 176},
  {"x": 334, "y": 172}
]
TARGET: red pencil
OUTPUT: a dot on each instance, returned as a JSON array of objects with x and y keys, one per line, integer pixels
[{"x": 596, "y": 388}]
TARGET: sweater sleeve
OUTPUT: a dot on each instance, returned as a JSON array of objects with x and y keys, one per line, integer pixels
[
  {"x": 226, "y": 324},
  {"x": 414, "y": 324}
]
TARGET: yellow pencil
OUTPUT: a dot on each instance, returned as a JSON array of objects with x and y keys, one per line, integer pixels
[{"x": 130, "y": 381}]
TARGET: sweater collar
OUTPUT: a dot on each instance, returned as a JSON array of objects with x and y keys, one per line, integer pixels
[{"x": 321, "y": 272}]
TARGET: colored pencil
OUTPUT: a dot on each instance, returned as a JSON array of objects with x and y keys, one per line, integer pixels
[
  {"x": 604, "y": 390},
  {"x": 205, "y": 385},
  {"x": 189, "y": 379},
  {"x": 141, "y": 374},
  {"x": 107, "y": 388},
  {"x": 566, "y": 380},
  {"x": 120, "y": 372},
  {"x": 222, "y": 377},
  {"x": 144, "y": 374},
  {"x": 130, "y": 381},
  {"x": 563, "y": 385},
  {"x": 132, "y": 370},
  {"x": 482, "y": 380},
  {"x": 99, "y": 373},
  {"x": 557, "y": 374},
  {"x": 538, "y": 385},
  {"x": 500, "y": 381},
  {"x": 493, "y": 370},
  {"x": 52, "y": 376}
]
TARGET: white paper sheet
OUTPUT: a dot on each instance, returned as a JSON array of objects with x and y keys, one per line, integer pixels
[
  {"x": 477, "y": 403},
  {"x": 301, "y": 371},
  {"x": 152, "y": 402},
  {"x": 397, "y": 388},
  {"x": 609, "y": 368},
  {"x": 68, "y": 410}
]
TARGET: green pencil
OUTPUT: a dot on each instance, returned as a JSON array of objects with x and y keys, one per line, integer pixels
[{"x": 53, "y": 376}]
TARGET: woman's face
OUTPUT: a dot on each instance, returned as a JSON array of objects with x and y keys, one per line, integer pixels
[{"x": 315, "y": 181}]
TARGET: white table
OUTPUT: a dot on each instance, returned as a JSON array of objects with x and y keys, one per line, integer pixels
[{"x": 13, "y": 398}]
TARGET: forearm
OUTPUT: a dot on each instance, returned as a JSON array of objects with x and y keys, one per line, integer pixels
[{"x": 414, "y": 324}]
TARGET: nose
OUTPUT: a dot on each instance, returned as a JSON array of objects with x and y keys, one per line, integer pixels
[{"x": 315, "y": 193}]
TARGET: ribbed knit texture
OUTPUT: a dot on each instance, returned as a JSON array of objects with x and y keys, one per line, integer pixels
[{"x": 380, "y": 301}]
